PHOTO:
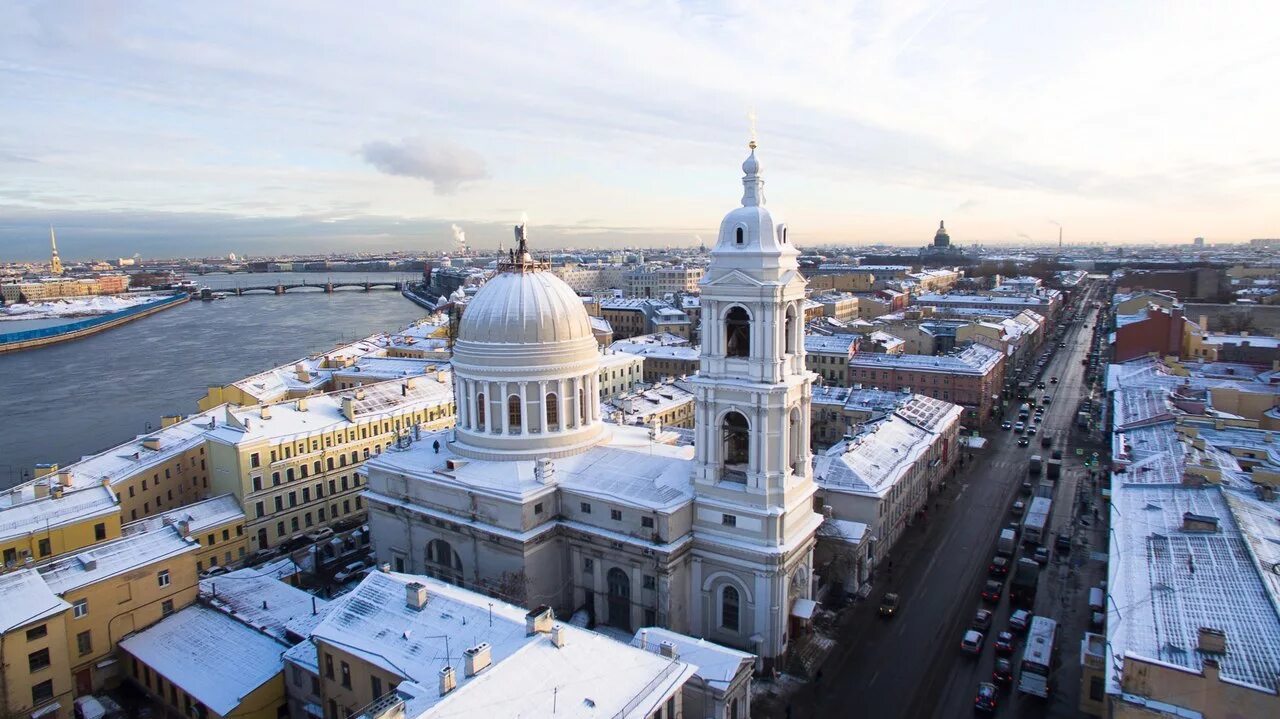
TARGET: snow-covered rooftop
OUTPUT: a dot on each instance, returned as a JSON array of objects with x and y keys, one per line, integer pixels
[
  {"x": 209, "y": 655},
  {"x": 873, "y": 461},
  {"x": 973, "y": 359},
  {"x": 841, "y": 344},
  {"x": 116, "y": 557},
  {"x": 25, "y": 598},
  {"x": 199, "y": 516},
  {"x": 717, "y": 664},
  {"x": 44, "y": 513},
  {"x": 263, "y": 602}
]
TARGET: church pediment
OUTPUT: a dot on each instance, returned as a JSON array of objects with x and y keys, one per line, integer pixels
[{"x": 734, "y": 277}]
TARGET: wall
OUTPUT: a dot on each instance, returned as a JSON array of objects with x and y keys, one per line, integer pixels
[
  {"x": 1203, "y": 691},
  {"x": 18, "y": 680}
]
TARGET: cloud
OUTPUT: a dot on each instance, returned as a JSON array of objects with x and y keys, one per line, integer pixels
[{"x": 445, "y": 165}]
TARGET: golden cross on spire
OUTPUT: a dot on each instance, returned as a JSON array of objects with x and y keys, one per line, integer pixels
[{"x": 751, "y": 122}]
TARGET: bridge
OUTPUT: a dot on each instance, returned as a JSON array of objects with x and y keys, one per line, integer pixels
[{"x": 328, "y": 287}]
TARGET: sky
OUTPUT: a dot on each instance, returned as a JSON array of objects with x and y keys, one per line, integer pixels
[{"x": 193, "y": 129}]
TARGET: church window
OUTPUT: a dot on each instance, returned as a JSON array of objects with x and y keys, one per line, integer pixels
[
  {"x": 789, "y": 330},
  {"x": 740, "y": 236},
  {"x": 582, "y": 405},
  {"x": 737, "y": 333},
  {"x": 796, "y": 440},
  {"x": 443, "y": 562},
  {"x": 553, "y": 412},
  {"x": 735, "y": 447},
  {"x": 537, "y": 508},
  {"x": 513, "y": 413},
  {"x": 729, "y": 520},
  {"x": 480, "y": 411},
  {"x": 729, "y": 608},
  {"x": 588, "y": 565},
  {"x": 586, "y": 507}
]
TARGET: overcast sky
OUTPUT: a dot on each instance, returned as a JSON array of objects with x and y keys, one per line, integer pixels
[{"x": 200, "y": 128}]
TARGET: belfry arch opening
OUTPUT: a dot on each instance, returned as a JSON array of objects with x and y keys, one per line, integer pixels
[
  {"x": 737, "y": 333},
  {"x": 735, "y": 445}
]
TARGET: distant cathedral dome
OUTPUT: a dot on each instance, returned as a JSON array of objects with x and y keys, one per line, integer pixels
[
  {"x": 526, "y": 366},
  {"x": 941, "y": 238}
]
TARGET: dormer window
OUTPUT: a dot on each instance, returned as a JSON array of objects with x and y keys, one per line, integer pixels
[{"x": 740, "y": 237}]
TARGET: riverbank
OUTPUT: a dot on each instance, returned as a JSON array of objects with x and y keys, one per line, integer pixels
[
  {"x": 45, "y": 336},
  {"x": 69, "y": 308}
]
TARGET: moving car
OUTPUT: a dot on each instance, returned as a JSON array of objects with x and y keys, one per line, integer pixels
[
  {"x": 1020, "y": 620},
  {"x": 1002, "y": 673},
  {"x": 1053, "y": 380},
  {"x": 985, "y": 700},
  {"x": 992, "y": 590},
  {"x": 972, "y": 642},
  {"x": 1019, "y": 427},
  {"x": 1062, "y": 544},
  {"x": 889, "y": 605},
  {"x": 1041, "y": 555},
  {"x": 1006, "y": 425},
  {"x": 1023, "y": 441},
  {"x": 1004, "y": 643},
  {"x": 981, "y": 620},
  {"x": 1020, "y": 506},
  {"x": 999, "y": 567}
]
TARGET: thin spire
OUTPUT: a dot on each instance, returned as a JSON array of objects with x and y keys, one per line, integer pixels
[{"x": 55, "y": 262}]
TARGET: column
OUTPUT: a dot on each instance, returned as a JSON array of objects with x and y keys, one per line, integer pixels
[
  {"x": 593, "y": 394},
  {"x": 471, "y": 405},
  {"x": 524, "y": 409},
  {"x": 573, "y": 403},
  {"x": 542, "y": 407},
  {"x": 502, "y": 408},
  {"x": 489, "y": 421},
  {"x": 560, "y": 409}
]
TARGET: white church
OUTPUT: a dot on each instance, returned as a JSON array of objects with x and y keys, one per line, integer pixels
[{"x": 534, "y": 497}]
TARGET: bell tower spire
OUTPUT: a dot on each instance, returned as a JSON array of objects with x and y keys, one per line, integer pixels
[{"x": 55, "y": 262}]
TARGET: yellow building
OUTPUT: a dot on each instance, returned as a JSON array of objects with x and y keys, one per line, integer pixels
[
  {"x": 217, "y": 524},
  {"x": 69, "y": 615},
  {"x": 202, "y": 663},
  {"x": 293, "y": 465},
  {"x": 53, "y": 522}
]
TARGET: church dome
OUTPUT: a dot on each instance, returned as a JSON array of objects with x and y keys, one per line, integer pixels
[{"x": 525, "y": 308}]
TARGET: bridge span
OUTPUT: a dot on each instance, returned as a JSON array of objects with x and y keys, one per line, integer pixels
[{"x": 326, "y": 288}]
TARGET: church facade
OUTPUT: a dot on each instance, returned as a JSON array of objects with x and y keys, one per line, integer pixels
[{"x": 533, "y": 497}]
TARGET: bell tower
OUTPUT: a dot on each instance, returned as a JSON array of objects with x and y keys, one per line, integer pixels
[{"x": 754, "y": 521}]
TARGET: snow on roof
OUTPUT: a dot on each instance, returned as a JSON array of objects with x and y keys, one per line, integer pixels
[
  {"x": 590, "y": 676},
  {"x": 716, "y": 664},
  {"x": 199, "y": 516},
  {"x": 1167, "y": 581},
  {"x": 324, "y": 412},
  {"x": 973, "y": 359},
  {"x": 209, "y": 655},
  {"x": 116, "y": 557},
  {"x": 629, "y": 470},
  {"x": 844, "y": 530},
  {"x": 838, "y": 344},
  {"x": 873, "y": 461},
  {"x": 374, "y": 368},
  {"x": 682, "y": 350},
  {"x": 44, "y": 513},
  {"x": 25, "y": 598},
  {"x": 1007, "y": 300},
  {"x": 612, "y": 360},
  {"x": 262, "y": 601}
]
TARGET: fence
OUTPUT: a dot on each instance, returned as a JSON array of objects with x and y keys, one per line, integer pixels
[{"x": 85, "y": 324}]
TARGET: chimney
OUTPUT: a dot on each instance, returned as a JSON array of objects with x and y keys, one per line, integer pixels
[
  {"x": 302, "y": 404},
  {"x": 44, "y": 469},
  {"x": 152, "y": 443},
  {"x": 41, "y": 489},
  {"x": 668, "y": 650},
  {"x": 538, "y": 620},
  {"x": 644, "y": 638},
  {"x": 544, "y": 471},
  {"x": 448, "y": 679},
  {"x": 415, "y": 595},
  {"x": 64, "y": 477},
  {"x": 390, "y": 706},
  {"x": 184, "y": 527},
  {"x": 478, "y": 658},
  {"x": 1192, "y": 522},
  {"x": 557, "y": 635},
  {"x": 1211, "y": 641},
  {"x": 266, "y": 412},
  {"x": 349, "y": 408},
  {"x": 359, "y": 393}
]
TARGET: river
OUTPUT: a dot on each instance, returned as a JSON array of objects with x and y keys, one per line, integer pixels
[{"x": 62, "y": 402}]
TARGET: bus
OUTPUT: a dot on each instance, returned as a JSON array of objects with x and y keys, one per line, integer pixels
[
  {"x": 1035, "y": 524},
  {"x": 1037, "y": 664}
]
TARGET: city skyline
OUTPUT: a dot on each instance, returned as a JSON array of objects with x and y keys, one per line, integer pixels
[{"x": 205, "y": 130}]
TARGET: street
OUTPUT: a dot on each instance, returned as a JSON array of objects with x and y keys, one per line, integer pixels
[{"x": 911, "y": 665}]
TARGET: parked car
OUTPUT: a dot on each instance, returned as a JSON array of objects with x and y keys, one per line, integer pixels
[
  {"x": 992, "y": 590},
  {"x": 96, "y": 707},
  {"x": 214, "y": 571},
  {"x": 320, "y": 534},
  {"x": 889, "y": 605},
  {"x": 1062, "y": 544},
  {"x": 1004, "y": 644},
  {"x": 981, "y": 620},
  {"x": 985, "y": 700},
  {"x": 1002, "y": 673},
  {"x": 1041, "y": 555},
  {"x": 1020, "y": 506},
  {"x": 972, "y": 642},
  {"x": 1020, "y": 620},
  {"x": 349, "y": 572},
  {"x": 999, "y": 567}
]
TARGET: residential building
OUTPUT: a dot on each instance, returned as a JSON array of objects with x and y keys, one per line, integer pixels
[
  {"x": 659, "y": 281},
  {"x": 292, "y": 465},
  {"x": 972, "y": 377},
  {"x": 1046, "y": 303},
  {"x": 620, "y": 372},
  {"x": 828, "y": 356},
  {"x": 664, "y": 404},
  {"x": 664, "y": 355},
  {"x": 216, "y": 524}
]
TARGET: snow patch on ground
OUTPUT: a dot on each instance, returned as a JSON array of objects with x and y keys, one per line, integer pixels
[{"x": 74, "y": 307}]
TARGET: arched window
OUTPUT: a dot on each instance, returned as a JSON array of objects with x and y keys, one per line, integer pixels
[
  {"x": 736, "y": 447},
  {"x": 737, "y": 333},
  {"x": 733, "y": 708},
  {"x": 553, "y": 412},
  {"x": 789, "y": 330},
  {"x": 729, "y": 608},
  {"x": 796, "y": 441},
  {"x": 513, "y": 413},
  {"x": 480, "y": 412},
  {"x": 740, "y": 236},
  {"x": 443, "y": 562},
  {"x": 619, "y": 599},
  {"x": 582, "y": 405}
]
